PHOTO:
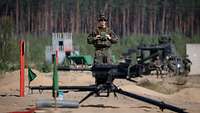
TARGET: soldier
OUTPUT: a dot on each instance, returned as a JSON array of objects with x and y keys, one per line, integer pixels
[
  {"x": 187, "y": 64},
  {"x": 157, "y": 64},
  {"x": 102, "y": 39}
]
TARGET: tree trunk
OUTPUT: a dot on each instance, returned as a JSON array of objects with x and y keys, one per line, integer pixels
[
  {"x": 124, "y": 22},
  {"x": 29, "y": 18},
  {"x": 72, "y": 22},
  {"x": 142, "y": 19},
  {"x": 154, "y": 23},
  {"x": 51, "y": 25},
  {"x": 135, "y": 20},
  {"x": 46, "y": 16},
  {"x": 150, "y": 23},
  {"x": 163, "y": 18},
  {"x": 17, "y": 16},
  {"x": 192, "y": 24},
  {"x": 128, "y": 22},
  {"x": 176, "y": 22},
  {"x": 32, "y": 23},
  {"x": 181, "y": 23},
  {"x": 138, "y": 20},
  {"x": 94, "y": 20},
  {"x": 62, "y": 18},
  {"x": 77, "y": 27}
]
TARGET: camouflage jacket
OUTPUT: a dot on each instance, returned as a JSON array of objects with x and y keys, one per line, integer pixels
[{"x": 103, "y": 41}]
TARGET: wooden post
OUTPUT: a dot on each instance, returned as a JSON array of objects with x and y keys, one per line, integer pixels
[
  {"x": 57, "y": 50},
  {"x": 22, "y": 46}
]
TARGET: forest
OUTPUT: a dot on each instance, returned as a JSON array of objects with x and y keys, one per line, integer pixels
[{"x": 126, "y": 17}]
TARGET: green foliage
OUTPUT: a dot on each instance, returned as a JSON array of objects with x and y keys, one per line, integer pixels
[
  {"x": 5, "y": 66},
  {"x": 35, "y": 51},
  {"x": 44, "y": 67},
  {"x": 180, "y": 42},
  {"x": 80, "y": 41},
  {"x": 35, "y": 48},
  {"x": 9, "y": 49},
  {"x": 10, "y": 53},
  {"x": 7, "y": 43}
]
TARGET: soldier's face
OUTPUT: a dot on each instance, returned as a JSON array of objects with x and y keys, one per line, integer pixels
[{"x": 102, "y": 23}]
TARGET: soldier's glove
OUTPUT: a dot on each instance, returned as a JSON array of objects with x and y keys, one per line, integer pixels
[
  {"x": 109, "y": 37},
  {"x": 97, "y": 37},
  {"x": 105, "y": 37}
]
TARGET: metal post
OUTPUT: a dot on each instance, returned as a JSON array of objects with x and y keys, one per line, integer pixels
[
  {"x": 22, "y": 45},
  {"x": 55, "y": 79}
]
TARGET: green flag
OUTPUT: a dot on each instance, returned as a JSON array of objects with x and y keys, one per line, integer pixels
[{"x": 31, "y": 75}]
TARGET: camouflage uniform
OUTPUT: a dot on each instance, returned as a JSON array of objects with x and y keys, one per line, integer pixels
[
  {"x": 187, "y": 64},
  {"x": 102, "y": 45},
  {"x": 158, "y": 66},
  {"x": 102, "y": 39}
]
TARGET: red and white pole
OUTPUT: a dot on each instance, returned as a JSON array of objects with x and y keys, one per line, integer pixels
[
  {"x": 57, "y": 52},
  {"x": 22, "y": 47}
]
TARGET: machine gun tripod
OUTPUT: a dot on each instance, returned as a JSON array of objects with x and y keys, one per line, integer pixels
[{"x": 108, "y": 74}]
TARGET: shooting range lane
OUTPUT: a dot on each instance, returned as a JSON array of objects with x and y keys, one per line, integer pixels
[{"x": 10, "y": 101}]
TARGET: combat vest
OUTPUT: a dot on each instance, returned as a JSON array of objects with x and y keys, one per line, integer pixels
[{"x": 103, "y": 42}]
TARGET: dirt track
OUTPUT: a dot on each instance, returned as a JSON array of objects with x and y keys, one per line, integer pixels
[{"x": 188, "y": 98}]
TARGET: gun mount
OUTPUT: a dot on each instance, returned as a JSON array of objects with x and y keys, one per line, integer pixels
[{"x": 106, "y": 74}]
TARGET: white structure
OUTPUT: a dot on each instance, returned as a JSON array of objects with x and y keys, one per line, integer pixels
[
  {"x": 61, "y": 42},
  {"x": 193, "y": 50}
]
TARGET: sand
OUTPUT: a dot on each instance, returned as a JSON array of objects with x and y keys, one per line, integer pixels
[{"x": 10, "y": 101}]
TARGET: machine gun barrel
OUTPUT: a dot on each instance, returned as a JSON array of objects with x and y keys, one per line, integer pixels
[
  {"x": 161, "y": 104},
  {"x": 67, "y": 68},
  {"x": 72, "y": 88},
  {"x": 149, "y": 57},
  {"x": 99, "y": 67}
]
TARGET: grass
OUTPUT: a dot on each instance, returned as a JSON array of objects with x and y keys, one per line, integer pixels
[
  {"x": 34, "y": 52},
  {"x": 180, "y": 42},
  {"x": 35, "y": 48},
  {"x": 80, "y": 41}
]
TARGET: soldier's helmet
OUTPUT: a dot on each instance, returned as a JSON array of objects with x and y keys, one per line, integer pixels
[{"x": 102, "y": 17}]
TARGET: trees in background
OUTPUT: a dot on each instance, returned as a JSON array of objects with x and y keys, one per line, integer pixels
[{"x": 125, "y": 16}]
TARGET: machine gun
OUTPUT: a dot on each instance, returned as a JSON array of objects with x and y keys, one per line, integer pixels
[{"x": 105, "y": 74}]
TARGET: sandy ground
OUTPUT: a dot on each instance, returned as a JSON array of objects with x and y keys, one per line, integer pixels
[{"x": 10, "y": 101}]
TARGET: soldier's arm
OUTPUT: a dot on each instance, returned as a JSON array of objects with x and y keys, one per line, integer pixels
[
  {"x": 91, "y": 38},
  {"x": 114, "y": 38}
]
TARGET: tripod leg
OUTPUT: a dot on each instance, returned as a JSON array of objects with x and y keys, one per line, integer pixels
[
  {"x": 161, "y": 104},
  {"x": 87, "y": 96}
]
